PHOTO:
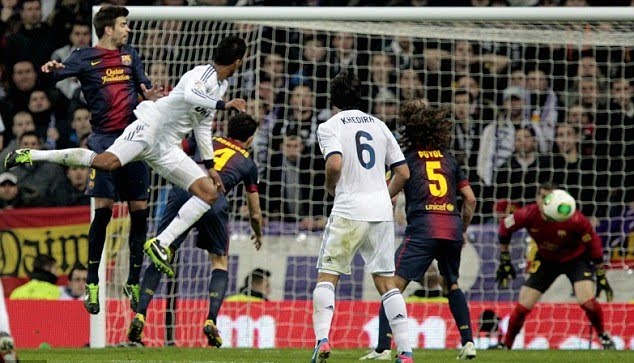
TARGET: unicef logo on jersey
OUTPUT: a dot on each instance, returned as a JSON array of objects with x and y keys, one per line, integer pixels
[{"x": 444, "y": 207}]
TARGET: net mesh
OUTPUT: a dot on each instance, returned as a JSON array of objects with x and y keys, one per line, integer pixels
[{"x": 531, "y": 102}]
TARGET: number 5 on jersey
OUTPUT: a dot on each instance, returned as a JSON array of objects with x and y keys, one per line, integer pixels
[{"x": 437, "y": 181}]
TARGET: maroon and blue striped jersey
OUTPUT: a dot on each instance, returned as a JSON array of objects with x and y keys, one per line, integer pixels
[
  {"x": 111, "y": 82},
  {"x": 431, "y": 194}
]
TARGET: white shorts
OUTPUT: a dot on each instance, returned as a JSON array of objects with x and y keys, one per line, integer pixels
[
  {"x": 343, "y": 237},
  {"x": 141, "y": 141}
]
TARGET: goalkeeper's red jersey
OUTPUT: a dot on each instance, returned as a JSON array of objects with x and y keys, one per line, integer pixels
[{"x": 556, "y": 241}]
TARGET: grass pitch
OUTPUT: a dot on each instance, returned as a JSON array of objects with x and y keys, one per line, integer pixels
[{"x": 164, "y": 355}]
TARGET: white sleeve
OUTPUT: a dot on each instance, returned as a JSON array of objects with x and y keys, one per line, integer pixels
[
  {"x": 202, "y": 132},
  {"x": 395, "y": 156},
  {"x": 328, "y": 141},
  {"x": 196, "y": 91}
]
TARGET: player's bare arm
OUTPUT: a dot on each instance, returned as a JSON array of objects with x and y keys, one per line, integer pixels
[
  {"x": 51, "y": 66},
  {"x": 255, "y": 217},
  {"x": 468, "y": 205},
  {"x": 333, "y": 172},
  {"x": 401, "y": 176}
]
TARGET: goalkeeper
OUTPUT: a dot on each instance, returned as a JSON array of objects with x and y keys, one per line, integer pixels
[
  {"x": 234, "y": 166},
  {"x": 571, "y": 247}
]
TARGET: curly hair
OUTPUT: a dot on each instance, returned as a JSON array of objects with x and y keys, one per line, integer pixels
[{"x": 424, "y": 127}]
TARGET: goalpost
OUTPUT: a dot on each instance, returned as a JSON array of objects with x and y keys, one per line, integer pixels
[{"x": 564, "y": 60}]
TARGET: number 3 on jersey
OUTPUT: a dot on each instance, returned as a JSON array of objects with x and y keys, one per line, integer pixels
[
  {"x": 361, "y": 147},
  {"x": 437, "y": 181},
  {"x": 221, "y": 156}
]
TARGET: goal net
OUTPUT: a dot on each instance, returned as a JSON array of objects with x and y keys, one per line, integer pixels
[{"x": 532, "y": 101}]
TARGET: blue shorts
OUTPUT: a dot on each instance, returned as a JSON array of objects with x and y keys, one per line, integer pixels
[
  {"x": 131, "y": 182},
  {"x": 213, "y": 226},
  {"x": 415, "y": 254}
]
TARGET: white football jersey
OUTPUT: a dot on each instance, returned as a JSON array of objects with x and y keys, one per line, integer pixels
[
  {"x": 191, "y": 105},
  {"x": 367, "y": 146}
]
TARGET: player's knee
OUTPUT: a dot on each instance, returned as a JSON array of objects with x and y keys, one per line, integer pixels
[{"x": 106, "y": 161}]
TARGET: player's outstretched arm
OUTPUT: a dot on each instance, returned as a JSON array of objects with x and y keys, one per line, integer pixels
[
  {"x": 255, "y": 217},
  {"x": 401, "y": 176},
  {"x": 51, "y": 66}
]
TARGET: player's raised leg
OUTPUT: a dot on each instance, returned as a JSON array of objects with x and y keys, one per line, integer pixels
[{"x": 182, "y": 171}]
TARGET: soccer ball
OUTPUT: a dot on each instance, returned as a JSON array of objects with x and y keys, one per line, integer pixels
[{"x": 559, "y": 206}]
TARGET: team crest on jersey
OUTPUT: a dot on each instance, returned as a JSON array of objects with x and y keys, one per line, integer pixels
[
  {"x": 561, "y": 233},
  {"x": 126, "y": 59},
  {"x": 509, "y": 221}
]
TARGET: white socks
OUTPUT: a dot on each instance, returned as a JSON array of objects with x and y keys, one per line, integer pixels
[
  {"x": 68, "y": 157},
  {"x": 189, "y": 213},
  {"x": 323, "y": 309},
  {"x": 396, "y": 313}
]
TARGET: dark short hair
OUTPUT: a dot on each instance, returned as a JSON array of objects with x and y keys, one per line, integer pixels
[
  {"x": 548, "y": 186},
  {"x": 345, "y": 91},
  {"x": 241, "y": 126},
  {"x": 29, "y": 133},
  {"x": 43, "y": 262},
  {"x": 257, "y": 276},
  {"x": 76, "y": 267},
  {"x": 106, "y": 16},
  {"x": 229, "y": 50}
]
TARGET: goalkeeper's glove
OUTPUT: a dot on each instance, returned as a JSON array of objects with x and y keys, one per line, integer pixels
[
  {"x": 603, "y": 285},
  {"x": 505, "y": 270}
]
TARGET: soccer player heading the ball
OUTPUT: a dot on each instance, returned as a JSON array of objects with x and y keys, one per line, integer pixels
[
  {"x": 155, "y": 138},
  {"x": 569, "y": 246}
]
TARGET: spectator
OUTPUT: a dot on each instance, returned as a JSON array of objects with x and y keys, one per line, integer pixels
[
  {"x": 48, "y": 125},
  {"x": 519, "y": 178},
  {"x": 382, "y": 76},
  {"x": 79, "y": 38},
  {"x": 274, "y": 69},
  {"x": 568, "y": 164},
  {"x": 41, "y": 285},
  {"x": 4, "y": 82},
  {"x": 410, "y": 85},
  {"x": 72, "y": 191},
  {"x": 386, "y": 109},
  {"x": 24, "y": 81},
  {"x": 543, "y": 103},
  {"x": 8, "y": 191},
  {"x": 313, "y": 69},
  {"x": 76, "y": 288},
  {"x": 40, "y": 180},
  {"x": 407, "y": 54},
  {"x": 302, "y": 119},
  {"x": 34, "y": 40},
  {"x": 10, "y": 14},
  {"x": 80, "y": 126},
  {"x": 467, "y": 131},
  {"x": 347, "y": 56},
  {"x": 159, "y": 75},
  {"x": 287, "y": 189},
  {"x": 497, "y": 140},
  {"x": 482, "y": 106},
  {"x": 257, "y": 287},
  {"x": 22, "y": 122}
]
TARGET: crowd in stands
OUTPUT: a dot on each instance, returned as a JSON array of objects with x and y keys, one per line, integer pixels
[{"x": 524, "y": 113}]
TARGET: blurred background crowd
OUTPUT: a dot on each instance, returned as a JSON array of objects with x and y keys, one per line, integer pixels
[{"x": 524, "y": 113}]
